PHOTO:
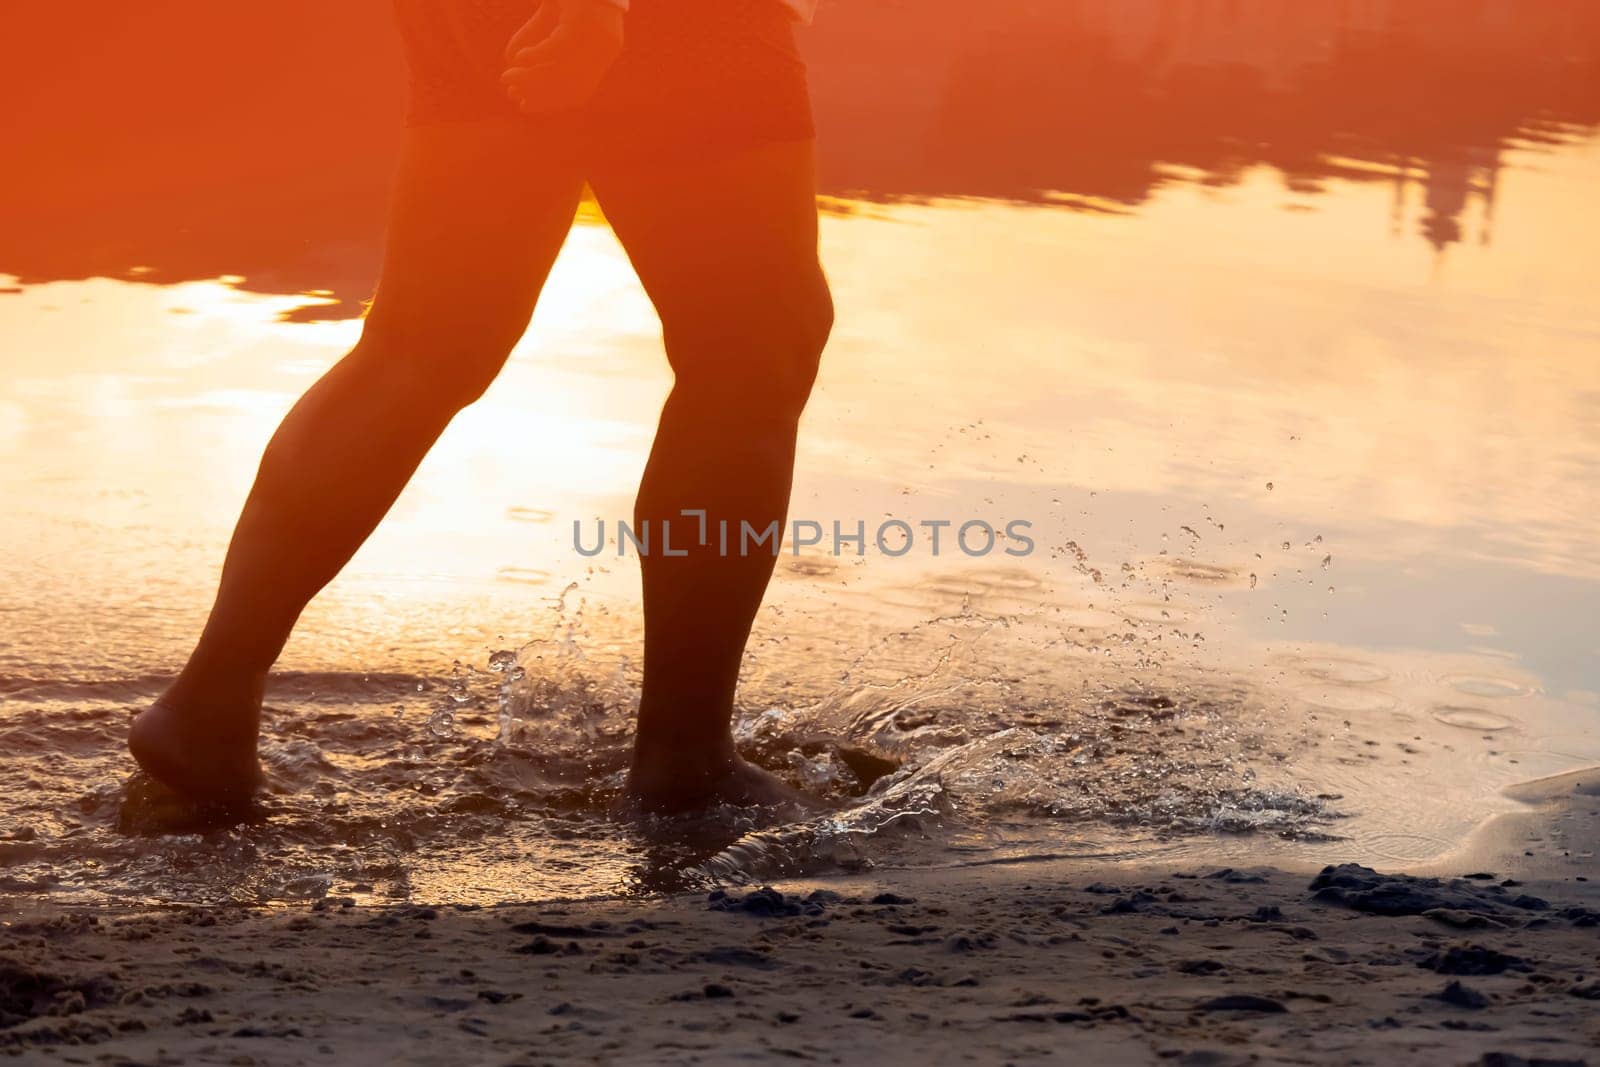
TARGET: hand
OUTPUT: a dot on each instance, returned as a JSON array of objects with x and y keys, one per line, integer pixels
[{"x": 558, "y": 60}]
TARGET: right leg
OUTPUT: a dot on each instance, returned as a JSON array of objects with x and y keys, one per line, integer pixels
[{"x": 477, "y": 221}]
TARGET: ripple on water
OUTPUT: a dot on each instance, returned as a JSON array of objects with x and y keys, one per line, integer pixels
[
  {"x": 810, "y": 567},
  {"x": 986, "y": 581},
  {"x": 1404, "y": 846},
  {"x": 1195, "y": 572},
  {"x": 1335, "y": 669},
  {"x": 1346, "y": 698},
  {"x": 1469, "y": 718},
  {"x": 1157, "y": 612},
  {"x": 1084, "y": 618},
  {"x": 1484, "y": 685},
  {"x": 522, "y": 575},
  {"x": 987, "y": 589}
]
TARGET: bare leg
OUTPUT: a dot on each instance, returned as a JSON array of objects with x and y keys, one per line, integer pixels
[
  {"x": 728, "y": 253},
  {"x": 477, "y": 221}
]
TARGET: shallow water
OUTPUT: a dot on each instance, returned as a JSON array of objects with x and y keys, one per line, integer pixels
[{"x": 1280, "y": 332}]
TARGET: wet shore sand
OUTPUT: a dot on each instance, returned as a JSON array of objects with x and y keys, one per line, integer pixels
[{"x": 1025, "y": 962}]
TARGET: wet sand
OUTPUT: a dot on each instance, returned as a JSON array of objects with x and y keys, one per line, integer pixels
[{"x": 1040, "y": 961}]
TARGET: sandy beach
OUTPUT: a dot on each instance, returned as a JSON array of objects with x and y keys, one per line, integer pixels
[{"x": 1044, "y": 961}]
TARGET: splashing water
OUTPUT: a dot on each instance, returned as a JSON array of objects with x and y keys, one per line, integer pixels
[{"x": 945, "y": 741}]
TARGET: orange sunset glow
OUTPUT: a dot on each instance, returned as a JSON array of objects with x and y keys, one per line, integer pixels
[{"x": 380, "y": 373}]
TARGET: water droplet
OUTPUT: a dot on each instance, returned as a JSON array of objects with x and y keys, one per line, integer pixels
[
  {"x": 1327, "y": 561},
  {"x": 1285, "y": 546},
  {"x": 1252, "y": 581},
  {"x": 442, "y": 723},
  {"x": 501, "y": 660},
  {"x": 1269, "y": 487}
]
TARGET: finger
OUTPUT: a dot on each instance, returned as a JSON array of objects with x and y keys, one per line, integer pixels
[
  {"x": 534, "y": 88},
  {"x": 532, "y": 57},
  {"x": 559, "y": 43},
  {"x": 546, "y": 78},
  {"x": 526, "y": 79},
  {"x": 536, "y": 70},
  {"x": 536, "y": 29},
  {"x": 548, "y": 88}
]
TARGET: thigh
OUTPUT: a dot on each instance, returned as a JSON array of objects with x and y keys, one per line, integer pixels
[
  {"x": 726, "y": 248},
  {"x": 700, "y": 79},
  {"x": 480, "y": 212}
]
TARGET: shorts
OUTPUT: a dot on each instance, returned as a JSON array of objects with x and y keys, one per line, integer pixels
[{"x": 695, "y": 77}]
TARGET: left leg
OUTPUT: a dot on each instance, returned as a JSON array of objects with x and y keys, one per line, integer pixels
[{"x": 727, "y": 250}]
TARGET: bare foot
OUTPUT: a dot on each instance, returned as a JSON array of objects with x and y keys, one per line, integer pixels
[
  {"x": 202, "y": 759},
  {"x": 668, "y": 787}
]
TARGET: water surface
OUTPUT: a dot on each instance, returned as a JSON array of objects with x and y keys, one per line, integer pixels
[{"x": 1278, "y": 327}]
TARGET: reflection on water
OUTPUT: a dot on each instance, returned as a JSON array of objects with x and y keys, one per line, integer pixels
[
  {"x": 1277, "y": 323},
  {"x": 272, "y": 162},
  {"x": 1097, "y": 103}
]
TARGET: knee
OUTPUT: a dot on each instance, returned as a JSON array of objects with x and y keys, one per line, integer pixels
[
  {"x": 432, "y": 371},
  {"x": 812, "y": 329},
  {"x": 800, "y": 334},
  {"x": 757, "y": 362}
]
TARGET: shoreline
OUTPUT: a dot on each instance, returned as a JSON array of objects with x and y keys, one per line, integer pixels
[
  {"x": 1053, "y": 960},
  {"x": 1555, "y": 836}
]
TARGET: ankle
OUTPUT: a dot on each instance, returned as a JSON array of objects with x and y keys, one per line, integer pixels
[
  {"x": 683, "y": 760},
  {"x": 221, "y": 697}
]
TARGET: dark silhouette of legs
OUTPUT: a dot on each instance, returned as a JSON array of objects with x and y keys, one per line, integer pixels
[
  {"x": 727, "y": 251},
  {"x": 476, "y": 223}
]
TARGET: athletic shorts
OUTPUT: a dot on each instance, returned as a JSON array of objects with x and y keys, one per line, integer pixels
[{"x": 695, "y": 77}]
